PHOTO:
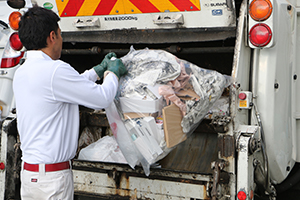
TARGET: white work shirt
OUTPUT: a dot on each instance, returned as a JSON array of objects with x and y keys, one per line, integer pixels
[{"x": 47, "y": 94}]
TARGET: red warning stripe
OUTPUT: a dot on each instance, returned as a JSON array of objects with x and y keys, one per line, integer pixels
[
  {"x": 72, "y": 7},
  {"x": 184, "y": 5},
  {"x": 104, "y": 7},
  {"x": 145, "y": 6}
]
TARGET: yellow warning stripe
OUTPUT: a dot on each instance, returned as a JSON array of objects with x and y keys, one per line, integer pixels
[
  {"x": 88, "y": 7},
  {"x": 196, "y": 3},
  {"x": 124, "y": 7},
  {"x": 61, "y": 6},
  {"x": 164, "y": 5}
]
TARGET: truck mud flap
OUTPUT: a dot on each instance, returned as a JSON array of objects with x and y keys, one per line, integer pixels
[{"x": 96, "y": 180}]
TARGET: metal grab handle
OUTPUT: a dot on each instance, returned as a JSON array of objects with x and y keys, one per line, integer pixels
[
  {"x": 86, "y": 22},
  {"x": 168, "y": 18}
]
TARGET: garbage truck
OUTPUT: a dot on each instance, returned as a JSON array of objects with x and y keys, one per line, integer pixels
[{"x": 248, "y": 150}]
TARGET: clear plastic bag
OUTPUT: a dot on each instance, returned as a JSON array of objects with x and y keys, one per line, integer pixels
[
  {"x": 105, "y": 149},
  {"x": 121, "y": 135},
  {"x": 160, "y": 103}
]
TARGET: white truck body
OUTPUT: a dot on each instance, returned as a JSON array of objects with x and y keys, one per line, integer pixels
[
  {"x": 254, "y": 153},
  {"x": 7, "y": 99}
]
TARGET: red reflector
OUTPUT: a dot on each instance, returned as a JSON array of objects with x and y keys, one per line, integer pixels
[
  {"x": 242, "y": 96},
  {"x": 260, "y": 35},
  {"x": 2, "y": 166},
  {"x": 11, "y": 62},
  {"x": 15, "y": 42},
  {"x": 241, "y": 195}
]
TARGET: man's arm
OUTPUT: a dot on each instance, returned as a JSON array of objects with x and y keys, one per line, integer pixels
[
  {"x": 71, "y": 87},
  {"x": 96, "y": 73}
]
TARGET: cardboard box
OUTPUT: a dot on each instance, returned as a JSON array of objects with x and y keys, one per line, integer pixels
[{"x": 172, "y": 125}]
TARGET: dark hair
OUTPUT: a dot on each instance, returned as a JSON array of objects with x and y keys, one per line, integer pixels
[{"x": 35, "y": 26}]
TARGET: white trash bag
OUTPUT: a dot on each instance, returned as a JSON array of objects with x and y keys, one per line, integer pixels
[{"x": 105, "y": 149}]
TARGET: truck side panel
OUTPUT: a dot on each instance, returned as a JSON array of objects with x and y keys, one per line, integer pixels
[{"x": 275, "y": 69}]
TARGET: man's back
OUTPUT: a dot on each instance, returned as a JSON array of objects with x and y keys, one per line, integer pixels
[{"x": 47, "y": 126}]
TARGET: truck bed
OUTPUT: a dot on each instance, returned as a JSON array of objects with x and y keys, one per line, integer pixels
[
  {"x": 208, "y": 41},
  {"x": 185, "y": 170}
]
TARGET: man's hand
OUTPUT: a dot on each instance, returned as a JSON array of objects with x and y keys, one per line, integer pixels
[
  {"x": 102, "y": 67},
  {"x": 117, "y": 67}
]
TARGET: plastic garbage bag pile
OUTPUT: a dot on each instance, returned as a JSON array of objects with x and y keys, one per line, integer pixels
[{"x": 159, "y": 103}]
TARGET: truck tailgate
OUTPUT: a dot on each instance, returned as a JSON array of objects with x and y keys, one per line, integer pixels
[
  {"x": 147, "y": 14},
  {"x": 114, "y": 181},
  {"x": 147, "y": 21},
  {"x": 185, "y": 173}
]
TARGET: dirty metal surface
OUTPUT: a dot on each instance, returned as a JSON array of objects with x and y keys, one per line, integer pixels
[
  {"x": 156, "y": 173},
  {"x": 136, "y": 187},
  {"x": 226, "y": 145},
  {"x": 196, "y": 153},
  {"x": 151, "y": 36},
  {"x": 119, "y": 180},
  {"x": 88, "y": 196}
]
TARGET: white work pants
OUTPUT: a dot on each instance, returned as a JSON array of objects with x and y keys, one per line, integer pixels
[{"x": 47, "y": 185}]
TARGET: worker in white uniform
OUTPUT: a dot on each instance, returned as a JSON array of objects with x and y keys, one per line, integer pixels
[{"x": 48, "y": 92}]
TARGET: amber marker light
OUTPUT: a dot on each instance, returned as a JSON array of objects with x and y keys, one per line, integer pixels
[
  {"x": 260, "y": 9},
  {"x": 14, "y": 19}
]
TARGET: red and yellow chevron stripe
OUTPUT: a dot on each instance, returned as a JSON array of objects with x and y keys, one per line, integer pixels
[{"x": 70, "y": 8}]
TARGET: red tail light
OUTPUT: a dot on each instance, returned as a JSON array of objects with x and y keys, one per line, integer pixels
[
  {"x": 15, "y": 42},
  {"x": 11, "y": 54},
  {"x": 260, "y": 35},
  {"x": 11, "y": 62},
  {"x": 10, "y": 57},
  {"x": 241, "y": 195},
  {"x": 260, "y": 24}
]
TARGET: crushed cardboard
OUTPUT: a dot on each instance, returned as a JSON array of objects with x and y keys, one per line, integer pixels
[{"x": 172, "y": 125}]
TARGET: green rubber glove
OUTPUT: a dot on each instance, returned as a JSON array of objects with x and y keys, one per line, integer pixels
[
  {"x": 102, "y": 67},
  {"x": 117, "y": 67}
]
